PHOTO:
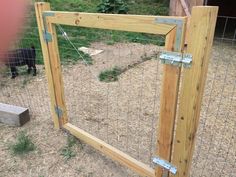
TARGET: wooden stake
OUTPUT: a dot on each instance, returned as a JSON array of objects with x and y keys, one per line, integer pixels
[
  {"x": 133, "y": 23},
  {"x": 169, "y": 97},
  {"x": 109, "y": 150},
  {"x": 56, "y": 73},
  {"x": 52, "y": 67},
  {"x": 202, "y": 28}
]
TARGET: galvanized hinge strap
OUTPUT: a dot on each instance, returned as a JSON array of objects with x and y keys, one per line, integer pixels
[
  {"x": 179, "y": 28},
  {"x": 59, "y": 112},
  {"x": 165, "y": 164},
  {"x": 176, "y": 58},
  {"x": 47, "y": 36}
]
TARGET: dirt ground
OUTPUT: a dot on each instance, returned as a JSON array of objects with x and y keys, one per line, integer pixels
[{"x": 123, "y": 114}]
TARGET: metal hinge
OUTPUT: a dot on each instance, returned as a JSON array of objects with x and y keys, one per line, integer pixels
[
  {"x": 47, "y": 36},
  {"x": 165, "y": 164},
  {"x": 176, "y": 58},
  {"x": 179, "y": 28},
  {"x": 58, "y": 111}
]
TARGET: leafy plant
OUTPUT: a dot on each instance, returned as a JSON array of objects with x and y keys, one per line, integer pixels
[
  {"x": 110, "y": 75},
  {"x": 23, "y": 144},
  {"x": 67, "y": 152},
  {"x": 113, "y": 6}
]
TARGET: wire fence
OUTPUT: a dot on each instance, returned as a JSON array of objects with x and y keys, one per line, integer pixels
[
  {"x": 124, "y": 112},
  {"x": 216, "y": 144},
  {"x": 25, "y": 90},
  {"x": 116, "y": 92}
]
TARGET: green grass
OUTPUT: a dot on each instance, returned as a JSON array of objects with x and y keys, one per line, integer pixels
[
  {"x": 110, "y": 75},
  {"x": 85, "y": 36},
  {"x": 68, "y": 152},
  {"x": 23, "y": 144}
]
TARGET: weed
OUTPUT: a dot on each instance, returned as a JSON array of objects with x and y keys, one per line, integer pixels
[
  {"x": 71, "y": 141},
  {"x": 110, "y": 75},
  {"x": 23, "y": 144},
  {"x": 113, "y": 6},
  {"x": 67, "y": 152}
]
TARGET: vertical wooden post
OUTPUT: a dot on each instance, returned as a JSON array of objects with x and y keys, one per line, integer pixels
[
  {"x": 169, "y": 97},
  {"x": 202, "y": 28},
  {"x": 52, "y": 67}
]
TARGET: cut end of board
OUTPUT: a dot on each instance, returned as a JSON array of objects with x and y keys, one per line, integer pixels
[{"x": 13, "y": 115}]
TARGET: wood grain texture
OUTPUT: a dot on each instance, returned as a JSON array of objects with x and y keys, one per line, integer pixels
[
  {"x": 169, "y": 98},
  {"x": 133, "y": 23},
  {"x": 109, "y": 150},
  {"x": 13, "y": 115},
  {"x": 40, "y": 7},
  {"x": 52, "y": 65},
  {"x": 56, "y": 73},
  {"x": 202, "y": 28}
]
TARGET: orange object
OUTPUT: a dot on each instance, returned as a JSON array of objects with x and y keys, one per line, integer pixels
[{"x": 12, "y": 14}]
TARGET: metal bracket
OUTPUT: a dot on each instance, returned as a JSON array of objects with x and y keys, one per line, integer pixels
[
  {"x": 176, "y": 58},
  {"x": 165, "y": 164},
  {"x": 58, "y": 111},
  {"x": 46, "y": 35},
  {"x": 48, "y": 14},
  {"x": 179, "y": 23}
]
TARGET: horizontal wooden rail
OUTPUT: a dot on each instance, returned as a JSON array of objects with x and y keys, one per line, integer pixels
[
  {"x": 112, "y": 152},
  {"x": 133, "y": 23}
]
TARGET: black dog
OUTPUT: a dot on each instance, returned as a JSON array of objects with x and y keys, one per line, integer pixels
[{"x": 21, "y": 57}]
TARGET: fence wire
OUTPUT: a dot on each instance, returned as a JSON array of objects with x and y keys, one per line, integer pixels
[
  {"x": 116, "y": 96},
  {"x": 25, "y": 90},
  {"x": 215, "y": 150},
  {"x": 124, "y": 113}
]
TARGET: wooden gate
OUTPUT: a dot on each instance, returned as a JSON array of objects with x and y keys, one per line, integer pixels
[{"x": 177, "y": 129}]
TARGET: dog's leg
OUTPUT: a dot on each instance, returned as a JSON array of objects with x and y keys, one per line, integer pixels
[
  {"x": 34, "y": 71},
  {"x": 13, "y": 72},
  {"x": 29, "y": 69}
]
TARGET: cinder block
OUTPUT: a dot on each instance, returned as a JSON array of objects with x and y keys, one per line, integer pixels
[{"x": 13, "y": 115}]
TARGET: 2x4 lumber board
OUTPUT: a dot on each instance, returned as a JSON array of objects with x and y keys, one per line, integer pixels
[
  {"x": 169, "y": 98},
  {"x": 169, "y": 95},
  {"x": 133, "y": 23},
  {"x": 13, "y": 115},
  {"x": 57, "y": 74},
  {"x": 40, "y": 7},
  {"x": 202, "y": 28},
  {"x": 112, "y": 152}
]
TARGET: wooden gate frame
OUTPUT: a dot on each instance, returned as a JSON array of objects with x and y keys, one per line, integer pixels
[{"x": 176, "y": 147}]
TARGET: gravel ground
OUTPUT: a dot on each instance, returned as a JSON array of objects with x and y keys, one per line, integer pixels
[{"x": 123, "y": 114}]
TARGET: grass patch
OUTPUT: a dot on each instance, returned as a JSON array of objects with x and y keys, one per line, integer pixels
[
  {"x": 110, "y": 75},
  {"x": 68, "y": 151},
  {"x": 23, "y": 144},
  {"x": 148, "y": 7},
  {"x": 85, "y": 36}
]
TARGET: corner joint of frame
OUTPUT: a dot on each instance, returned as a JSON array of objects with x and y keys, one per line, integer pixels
[
  {"x": 179, "y": 24},
  {"x": 48, "y": 14}
]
